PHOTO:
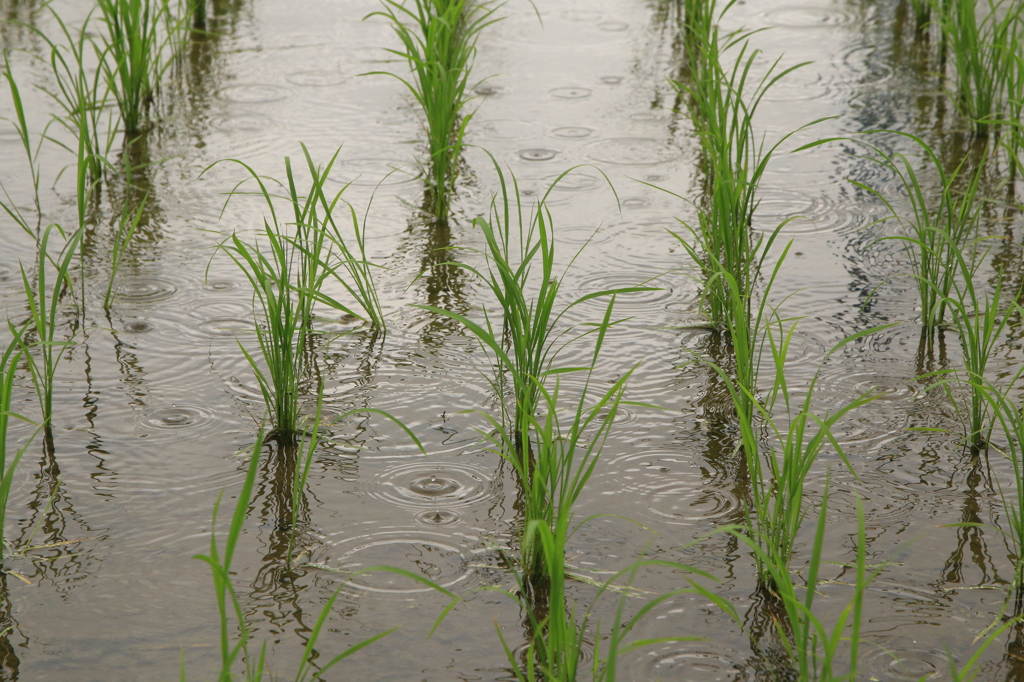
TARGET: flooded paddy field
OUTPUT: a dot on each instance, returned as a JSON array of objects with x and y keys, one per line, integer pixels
[{"x": 156, "y": 410}]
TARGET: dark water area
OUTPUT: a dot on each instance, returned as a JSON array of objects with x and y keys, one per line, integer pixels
[{"x": 156, "y": 408}]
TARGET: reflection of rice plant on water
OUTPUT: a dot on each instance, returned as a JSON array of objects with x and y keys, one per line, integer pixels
[{"x": 235, "y": 636}]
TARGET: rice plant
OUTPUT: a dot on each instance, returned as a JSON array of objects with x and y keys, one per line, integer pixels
[
  {"x": 699, "y": 17},
  {"x": 83, "y": 95},
  {"x": 814, "y": 652},
  {"x": 287, "y": 275},
  {"x": 236, "y": 651},
  {"x": 734, "y": 161},
  {"x": 44, "y": 299},
  {"x": 439, "y": 44},
  {"x": 778, "y": 468},
  {"x": 553, "y": 448},
  {"x": 20, "y": 123},
  {"x": 346, "y": 264},
  {"x": 933, "y": 233},
  {"x": 137, "y": 47},
  {"x": 980, "y": 321},
  {"x": 521, "y": 274},
  {"x": 982, "y": 54}
]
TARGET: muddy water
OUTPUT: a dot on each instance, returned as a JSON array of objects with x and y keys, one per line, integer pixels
[{"x": 156, "y": 407}]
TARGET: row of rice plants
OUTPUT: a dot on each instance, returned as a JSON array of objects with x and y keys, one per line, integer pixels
[{"x": 730, "y": 259}]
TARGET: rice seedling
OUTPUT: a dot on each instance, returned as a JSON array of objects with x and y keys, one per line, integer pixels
[
  {"x": 734, "y": 161},
  {"x": 933, "y": 233},
  {"x": 229, "y": 606},
  {"x": 44, "y": 307},
  {"x": 137, "y": 54},
  {"x": 982, "y": 55},
  {"x": 287, "y": 276},
  {"x": 778, "y": 470},
  {"x": 699, "y": 29},
  {"x": 20, "y": 123},
  {"x": 815, "y": 653},
  {"x": 83, "y": 95},
  {"x": 980, "y": 321},
  {"x": 521, "y": 274},
  {"x": 553, "y": 450},
  {"x": 439, "y": 44},
  {"x": 347, "y": 266},
  {"x": 281, "y": 332}
]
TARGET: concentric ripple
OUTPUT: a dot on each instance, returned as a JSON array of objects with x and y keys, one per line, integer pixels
[
  {"x": 137, "y": 326},
  {"x": 436, "y": 556},
  {"x": 632, "y": 151},
  {"x": 437, "y": 485},
  {"x": 144, "y": 289},
  {"x": 315, "y": 78},
  {"x": 242, "y": 123},
  {"x": 178, "y": 418},
  {"x": 807, "y": 17},
  {"x": 668, "y": 487},
  {"x": 254, "y": 93},
  {"x": 698, "y": 662},
  {"x": 572, "y": 132},
  {"x": 570, "y": 93},
  {"x": 537, "y": 154},
  {"x": 912, "y": 664}
]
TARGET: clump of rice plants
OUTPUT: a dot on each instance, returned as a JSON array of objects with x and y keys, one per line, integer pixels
[
  {"x": 552, "y": 443},
  {"x": 287, "y": 275},
  {"x": 778, "y": 466},
  {"x": 980, "y": 321},
  {"x": 138, "y": 48},
  {"x": 982, "y": 54},
  {"x": 933, "y": 233},
  {"x": 734, "y": 161},
  {"x": 521, "y": 274},
  {"x": 439, "y": 44}
]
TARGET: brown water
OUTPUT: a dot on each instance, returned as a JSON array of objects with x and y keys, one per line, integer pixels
[{"x": 155, "y": 406}]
